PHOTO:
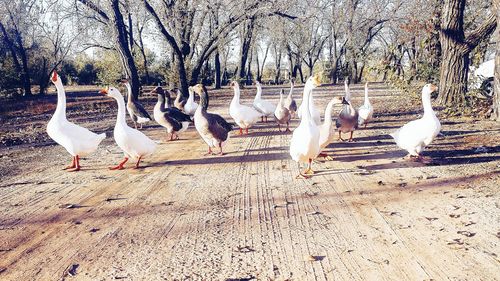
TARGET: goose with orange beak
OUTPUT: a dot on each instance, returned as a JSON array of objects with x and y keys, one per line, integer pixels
[
  {"x": 77, "y": 140},
  {"x": 134, "y": 143},
  {"x": 244, "y": 116},
  {"x": 414, "y": 136},
  {"x": 304, "y": 146}
]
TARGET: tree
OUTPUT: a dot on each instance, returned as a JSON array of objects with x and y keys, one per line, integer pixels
[
  {"x": 181, "y": 24},
  {"x": 123, "y": 36},
  {"x": 496, "y": 97},
  {"x": 456, "y": 47},
  {"x": 14, "y": 29}
]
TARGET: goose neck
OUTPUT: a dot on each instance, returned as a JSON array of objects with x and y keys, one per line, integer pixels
[
  {"x": 120, "y": 117},
  {"x": 61, "y": 100},
  {"x": 306, "y": 115},
  {"x": 129, "y": 92},
  {"x": 204, "y": 101},
  {"x": 367, "y": 101},
  {"x": 258, "y": 96},
  {"x": 328, "y": 112},
  {"x": 236, "y": 98},
  {"x": 426, "y": 102}
]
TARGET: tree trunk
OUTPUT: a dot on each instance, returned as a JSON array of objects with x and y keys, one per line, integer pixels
[
  {"x": 456, "y": 49},
  {"x": 245, "y": 48},
  {"x": 183, "y": 79},
  {"x": 124, "y": 49},
  {"x": 43, "y": 78},
  {"x": 496, "y": 95},
  {"x": 455, "y": 62},
  {"x": 217, "y": 70}
]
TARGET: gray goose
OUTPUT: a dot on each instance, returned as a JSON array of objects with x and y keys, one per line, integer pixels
[
  {"x": 348, "y": 116},
  {"x": 282, "y": 114},
  {"x": 174, "y": 120},
  {"x": 290, "y": 103},
  {"x": 213, "y": 129},
  {"x": 135, "y": 110}
]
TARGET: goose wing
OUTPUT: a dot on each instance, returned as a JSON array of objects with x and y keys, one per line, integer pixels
[
  {"x": 139, "y": 110},
  {"x": 218, "y": 126},
  {"x": 178, "y": 115}
]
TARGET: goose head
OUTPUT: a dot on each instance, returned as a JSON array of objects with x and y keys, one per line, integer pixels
[
  {"x": 54, "y": 78},
  {"x": 159, "y": 91},
  {"x": 313, "y": 82},
  {"x": 111, "y": 92},
  {"x": 339, "y": 100},
  {"x": 202, "y": 92},
  {"x": 429, "y": 89},
  {"x": 235, "y": 85},
  {"x": 198, "y": 89}
]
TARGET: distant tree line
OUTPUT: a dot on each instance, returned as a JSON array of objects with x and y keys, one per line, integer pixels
[{"x": 213, "y": 41}]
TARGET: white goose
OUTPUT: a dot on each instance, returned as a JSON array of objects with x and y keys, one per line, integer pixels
[
  {"x": 304, "y": 145},
  {"x": 263, "y": 106},
  {"x": 417, "y": 134},
  {"x": 190, "y": 106},
  {"x": 77, "y": 140},
  {"x": 243, "y": 115},
  {"x": 312, "y": 108},
  {"x": 134, "y": 143},
  {"x": 365, "y": 112},
  {"x": 326, "y": 130}
]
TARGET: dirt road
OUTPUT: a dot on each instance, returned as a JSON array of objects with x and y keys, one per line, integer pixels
[{"x": 367, "y": 215}]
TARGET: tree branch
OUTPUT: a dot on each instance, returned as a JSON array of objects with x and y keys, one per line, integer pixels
[
  {"x": 94, "y": 7},
  {"x": 475, "y": 37}
]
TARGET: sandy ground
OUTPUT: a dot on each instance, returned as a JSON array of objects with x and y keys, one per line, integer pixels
[{"x": 367, "y": 215}]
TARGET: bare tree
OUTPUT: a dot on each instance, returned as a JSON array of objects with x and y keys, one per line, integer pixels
[
  {"x": 14, "y": 31},
  {"x": 496, "y": 97},
  {"x": 456, "y": 47}
]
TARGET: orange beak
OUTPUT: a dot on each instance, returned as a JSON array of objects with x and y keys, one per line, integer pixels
[
  {"x": 54, "y": 76},
  {"x": 103, "y": 92},
  {"x": 317, "y": 80},
  {"x": 433, "y": 88}
]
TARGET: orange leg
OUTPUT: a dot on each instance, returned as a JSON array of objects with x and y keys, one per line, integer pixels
[
  {"x": 72, "y": 165},
  {"x": 262, "y": 119},
  {"x": 241, "y": 131},
  {"x": 246, "y": 131},
  {"x": 340, "y": 136},
  {"x": 220, "y": 147},
  {"x": 209, "y": 152},
  {"x": 301, "y": 175},
  {"x": 309, "y": 170},
  {"x": 173, "y": 136},
  {"x": 350, "y": 138},
  {"x": 120, "y": 166},
  {"x": 77, "y": 165},
  {"x": 138, "y": 161}
]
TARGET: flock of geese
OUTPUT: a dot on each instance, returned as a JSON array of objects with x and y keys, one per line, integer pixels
[{"x": 308, "y": 140}]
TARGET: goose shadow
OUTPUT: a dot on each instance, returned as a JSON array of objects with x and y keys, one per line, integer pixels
[
  {"x": 442, "y": 158},
  {"x": 226, "y": 159},
  {"x": 371, "y": 156},
  {"x": 258, "y": 133}
]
